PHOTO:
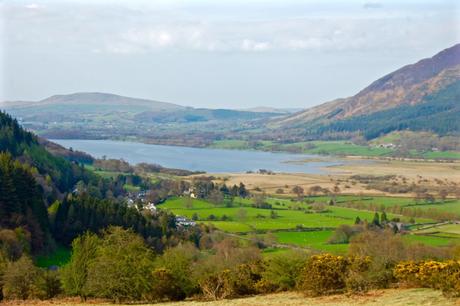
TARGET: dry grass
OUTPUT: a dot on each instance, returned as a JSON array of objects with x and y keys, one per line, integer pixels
[
  {"x": 411, "y": 170},
  {"x": 394, "y": 297}
]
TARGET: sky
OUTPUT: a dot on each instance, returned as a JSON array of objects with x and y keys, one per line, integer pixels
[{"x": 216, "y": 54}]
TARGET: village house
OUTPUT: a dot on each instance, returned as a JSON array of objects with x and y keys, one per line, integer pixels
[{"x": 182, "y": 221}]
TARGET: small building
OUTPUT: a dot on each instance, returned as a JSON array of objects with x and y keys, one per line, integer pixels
[
  {"x": 151, "y": 207},
  {"x": 191, "y": 193},
  {"x": 182, "y": 221}
]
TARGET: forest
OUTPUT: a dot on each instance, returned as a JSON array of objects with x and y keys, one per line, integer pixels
[{"x": 438, "y": 113}]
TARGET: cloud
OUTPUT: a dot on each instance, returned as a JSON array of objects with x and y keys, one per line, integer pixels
[
  {"x": 33, "y": 6},
  {"x": 250, "y": 45},
  {"x": 372, "y": 5},
  {"x": 132, "y": 30}
]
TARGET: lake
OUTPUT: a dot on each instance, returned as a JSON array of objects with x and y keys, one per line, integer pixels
[{"x": 202, "y": 159}]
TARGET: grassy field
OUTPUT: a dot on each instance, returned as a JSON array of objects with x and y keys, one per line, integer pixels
[
  {"x": 244, "y": 218},
  {"x": 442, "y": 155},
  {"x": 449, "y": 205},
  {"x": 340, "y": 148},
  {"x": 393, "y": 297},
  {"x": 295, "y": 222},
  {"x": 315, "y": 239},
  {"x": 59, "y": 257},
  {"x": 432, "y": 240}
]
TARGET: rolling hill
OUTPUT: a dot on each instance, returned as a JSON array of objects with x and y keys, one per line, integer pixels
[
  {"x": 104, "y": 115},
  {"x": 421, "y": 96}
]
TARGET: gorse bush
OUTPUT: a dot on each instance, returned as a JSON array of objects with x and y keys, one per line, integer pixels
[
  {"x": 442, "y": 275},
  {"x": 118, "y": 265},
  {"x": 328, "y": 274},
  {"x": 324, "y": 274}
]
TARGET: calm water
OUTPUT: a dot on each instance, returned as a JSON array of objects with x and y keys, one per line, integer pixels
[{"x": 199, "y": 159}]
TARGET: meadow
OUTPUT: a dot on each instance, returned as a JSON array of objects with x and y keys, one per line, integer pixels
[
  {"x": 340, "y": 148},
  {"x": 290, "y": 222}
]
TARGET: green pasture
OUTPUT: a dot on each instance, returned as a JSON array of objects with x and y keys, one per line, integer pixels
[
  {"x": 59, "y": 257},
  {"x": 317, "y": 240},
  {"x": 432, "y": 240},
  {"x": 244, "y": 218}
]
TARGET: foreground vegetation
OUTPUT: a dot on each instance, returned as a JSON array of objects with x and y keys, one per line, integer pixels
[
  {"x": 70, "y": 230},
  {"x": 220, "y": 268}
]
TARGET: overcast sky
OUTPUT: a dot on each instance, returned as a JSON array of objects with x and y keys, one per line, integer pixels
[{"x": 233, "y": 54}]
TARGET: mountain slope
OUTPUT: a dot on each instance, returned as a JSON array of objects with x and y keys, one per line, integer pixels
[
  {"x": 94, "y": 99},
  {"x": 102, "y": 116},
  {"x": 408, "y": 86}
]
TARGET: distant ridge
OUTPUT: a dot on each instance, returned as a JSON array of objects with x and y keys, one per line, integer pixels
[
  {"x": 409, "y": 85},
  {"x": 96, "y": 98}
]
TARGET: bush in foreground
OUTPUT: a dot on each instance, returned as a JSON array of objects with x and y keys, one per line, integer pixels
[
  {"x": 327, "y": 274},
  {"x": 441, "y": 275}
]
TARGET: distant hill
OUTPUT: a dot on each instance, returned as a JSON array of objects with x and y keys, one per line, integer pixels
[
  {"x": 433, "y": 80},
  {"x": 88, "y": 102},
  {"x": 104, "y": 115},
  {"x": 266, "y": 109}
]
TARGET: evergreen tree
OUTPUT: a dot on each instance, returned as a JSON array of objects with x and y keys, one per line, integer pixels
[
  {"x": 358, "y": 220},
  {"x": 376, "y": 220},
  {"x": 383, "y": 218}
]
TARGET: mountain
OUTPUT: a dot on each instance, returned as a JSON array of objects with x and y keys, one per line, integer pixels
[
  {"x": 430, "y": 80},
  {"x": 103, "y": 115},
  {"x": 93, "y": 99},
  {"x": 267, "y": 109}
]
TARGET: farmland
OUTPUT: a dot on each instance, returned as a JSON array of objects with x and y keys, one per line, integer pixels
[{"x": 307, "y": 225}]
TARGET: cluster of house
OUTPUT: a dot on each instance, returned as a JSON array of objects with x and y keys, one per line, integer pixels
[
  {"x": 133, "y": 198},
  {"x": 190, "y": 192},
  {"x": 140, "y": 197},
  {"x": 184, "y": 222},
  {"x": 399, "y": 226},
  {"x": 387, "y": 145}
]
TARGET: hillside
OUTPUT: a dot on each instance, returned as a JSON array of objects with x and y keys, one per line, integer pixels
[
  {"x": 52, "y": 199},
  {"x": 93, "y": 99},
  {"x": 102, "y": 115},
  {"x": 418, "y": 86}
]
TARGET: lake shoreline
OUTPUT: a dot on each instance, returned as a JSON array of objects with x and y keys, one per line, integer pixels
[
  {"x": 210, "y": 160},
  {"x": 320, "y": 155}
]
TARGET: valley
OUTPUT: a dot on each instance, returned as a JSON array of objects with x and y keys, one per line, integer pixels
[{"x": 233, "y": 153}]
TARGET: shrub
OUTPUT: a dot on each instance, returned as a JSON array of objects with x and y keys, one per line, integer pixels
[
  {"x": 232, "y": 271},
  {"x": 243, "y": 279},
  {"x": 281, "y": 272},
  {"x": 178, "y": 263},
  {"x": 75, "y": 273},
  {"x": 216, "y": 286},
  {"x": 166, "y": 286},
  {"x": 122, "y": 268},
  {"x": 48, "y": 284},
  {"x": 19, "y": 279},
  {"x": 324, "y": 274},
  {"x": 432, "y": 274},
  {"x": 357, "y": 282},
  {"x": 14, "y": 243}
]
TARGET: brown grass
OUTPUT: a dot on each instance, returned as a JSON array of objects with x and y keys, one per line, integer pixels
[
  {"x": 411, "y": 170},
  {"x": 394, "y": 297}
]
